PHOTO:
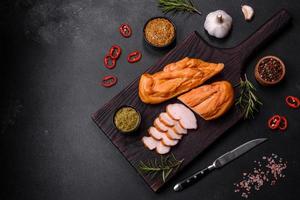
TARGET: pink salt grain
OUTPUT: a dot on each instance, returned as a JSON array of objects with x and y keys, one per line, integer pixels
[{"x": 266, "y": 172}]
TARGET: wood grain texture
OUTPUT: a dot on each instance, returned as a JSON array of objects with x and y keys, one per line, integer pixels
[{"x": 197, "y": 140}]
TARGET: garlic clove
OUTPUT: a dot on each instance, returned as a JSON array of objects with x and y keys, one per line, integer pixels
[{"x": 248, "y": 12}]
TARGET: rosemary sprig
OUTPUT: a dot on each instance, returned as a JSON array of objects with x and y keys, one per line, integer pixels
[
  {"x": 247, "y": 101},
  {"x": 177, "y": 5},
  {"x": 164, "y": 166}
]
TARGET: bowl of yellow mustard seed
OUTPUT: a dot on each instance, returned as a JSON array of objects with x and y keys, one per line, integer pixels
[{"x": 159, "y": 32}]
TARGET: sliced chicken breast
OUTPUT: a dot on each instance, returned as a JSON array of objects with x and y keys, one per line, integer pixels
[
  {"x": 180, "y": 112},
  {"x": 156, "y": 134},
  {"x": 166, "y": 119},
  {"x": 159, "y": 125},
  {"x": 170, "y": 109},
  {"x": 162, "y": 149},
  {"x": 179, "y": 129},
  {"x": 167, "y": 141},
  {"x": 172, "y": 134},
  {"x": 150, "y": 142}
]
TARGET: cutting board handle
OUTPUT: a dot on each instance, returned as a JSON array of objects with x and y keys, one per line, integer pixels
[{"x": 272, "y": 27}]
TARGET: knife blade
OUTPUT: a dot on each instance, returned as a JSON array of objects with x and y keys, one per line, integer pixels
[{"x": 218, "y": 163}]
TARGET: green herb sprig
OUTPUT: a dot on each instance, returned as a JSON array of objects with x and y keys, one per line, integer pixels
[
  {"x": 164, "y": 166},
  {"x": 247, "y": 101},
  {"x": 177, "y": 6}
]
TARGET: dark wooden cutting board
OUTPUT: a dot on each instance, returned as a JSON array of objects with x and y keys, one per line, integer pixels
[{"x": 208, "y": 131}]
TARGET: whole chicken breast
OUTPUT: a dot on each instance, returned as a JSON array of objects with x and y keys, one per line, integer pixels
[
  {"x": 210, "y": 101},
  {"x": 175, "y": 79}
]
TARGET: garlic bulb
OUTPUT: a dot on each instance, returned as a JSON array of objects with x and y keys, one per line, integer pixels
[
  {"x": 218, "y": 23},
  {"x": 248, "y": 12}
]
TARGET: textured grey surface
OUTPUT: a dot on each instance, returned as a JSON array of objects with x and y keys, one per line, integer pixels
[{"x": 52, "y": 53}]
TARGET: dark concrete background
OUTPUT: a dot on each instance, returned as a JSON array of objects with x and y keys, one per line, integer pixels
[{"x": 51, "y": 63}]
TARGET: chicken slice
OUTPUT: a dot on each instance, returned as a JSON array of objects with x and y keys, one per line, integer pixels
[
  {"x": 185, "y": 116},
  {"x": 166, "y": 119},
  {"x": 179, "y": 129},
  {"x": 156, "y": 134},
  {"x": 173, "y": 135},
  {"x": 159, "y": 125},
  {"x": 162, "y": 149},
  {"x": 150, "y": 142},
  {"x": 167, "y": 141}
]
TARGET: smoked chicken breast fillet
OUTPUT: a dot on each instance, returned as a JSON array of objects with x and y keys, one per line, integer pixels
[
  {"x": 175, "y": 79},
  {"x": 210, "y": 101}
]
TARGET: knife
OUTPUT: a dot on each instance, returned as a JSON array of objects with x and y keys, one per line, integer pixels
[{"x": 218, "y": 163}]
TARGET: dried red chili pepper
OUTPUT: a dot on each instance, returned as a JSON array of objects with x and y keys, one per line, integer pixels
[
  {"x": 274, "y": 122},
  {"x": 283, "y": 124},
  {"x": 115, "y": 52},
  {"x": 109, "y": 81},
  {"x": 109, "y": 62},
  {"x": 292, "y": 101},
  {"x": 125, "y": 30},
  {"x": 134, "y": 57}
]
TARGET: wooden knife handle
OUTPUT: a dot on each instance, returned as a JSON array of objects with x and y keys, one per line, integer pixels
[
  {"x": 271, "y": 28},
  {"x": 192, "y": 179}
]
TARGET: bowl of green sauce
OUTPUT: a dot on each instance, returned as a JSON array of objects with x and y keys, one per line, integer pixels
[{"x": 127, "y": 119}]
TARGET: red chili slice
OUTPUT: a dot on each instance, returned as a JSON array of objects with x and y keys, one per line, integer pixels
[
  {"x": 109, "y": 81},
  {"x": 134, "y": 57},
  {"x": 292, "y": 101},
  {"x": 115, "y": 52},
  {"x": 283, "y": 124},
  {"x": 109, "y": 62},
  {"x": 125, "y": 30},
  {"x": 274, "y": 122}
]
